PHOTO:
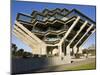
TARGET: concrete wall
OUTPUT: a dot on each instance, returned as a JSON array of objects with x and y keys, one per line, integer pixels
[{"x": 24, "y": 65}]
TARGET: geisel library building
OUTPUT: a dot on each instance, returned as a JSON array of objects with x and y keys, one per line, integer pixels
[{"x": 59, "y": 32}]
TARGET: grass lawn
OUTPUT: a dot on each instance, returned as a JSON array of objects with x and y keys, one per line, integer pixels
[{"x": 83, "y": 67}]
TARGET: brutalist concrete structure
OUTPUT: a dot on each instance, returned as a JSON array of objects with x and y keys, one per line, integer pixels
[{"x": 55, "y": 32}]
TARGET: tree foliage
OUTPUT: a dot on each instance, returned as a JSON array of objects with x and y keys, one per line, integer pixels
[{"x": 20, "y": 52}]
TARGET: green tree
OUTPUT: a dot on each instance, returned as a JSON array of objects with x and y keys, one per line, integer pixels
[
  {"x": 20, "y": 52},
  {"x": 27, "y": 54},
  {"x": 85, "y": 51}
]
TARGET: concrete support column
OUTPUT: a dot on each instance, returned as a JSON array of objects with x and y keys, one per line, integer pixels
[
  {"x": 84, "y": 24},
  {"x": 43, "y": 49},
  {"x": 75, "y": 49},
  {"x": 68, "y": 50},
  {"x": 68, "y": 56},
  {"x": 60, "y": 49},
  {"x": 80, "y": 50},
  {"x": 65, "y": 36},
  {"x": 72, "y": 52},
  {"x": 70, "y": 29}
]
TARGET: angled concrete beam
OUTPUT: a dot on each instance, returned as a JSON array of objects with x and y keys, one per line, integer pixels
[
  {"x": 71, "y": 20},
  {"x": 24, "y": 39},
  {"x": 84, "y": 24},
  {"x": 84, "y": 35},
  {"x": 80, "y": 48},
  {"x": 65, "y": 36},
  {"x": 25, "y": 35},
  {"x": 88, "y": 37},
  {"x": 29, "y": 33},
  {"x": 36, "y": 49},
  {"x": 69, "y": 30}
]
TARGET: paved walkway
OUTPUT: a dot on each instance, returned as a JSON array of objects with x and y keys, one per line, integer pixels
[{"x": 62, "y": 67}]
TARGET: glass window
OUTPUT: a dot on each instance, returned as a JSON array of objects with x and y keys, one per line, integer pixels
[
  {"x": 38, "y": 17},
  {"x": 58, "y": 16},
  {"x": 25, "y": 18}
]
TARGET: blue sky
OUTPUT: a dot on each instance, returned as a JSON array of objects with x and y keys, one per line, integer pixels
[{"x": 28, "y": 7}]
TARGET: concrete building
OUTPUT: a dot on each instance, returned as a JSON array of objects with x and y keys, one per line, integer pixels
[{"x": 55, "y": 32}]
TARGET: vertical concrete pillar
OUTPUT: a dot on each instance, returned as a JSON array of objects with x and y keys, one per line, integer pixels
[
  {"x": 72, "y": 52},
  {"x": 68, "y": 56},
  {"x": 75, "y": 49},
  {"x": 43, "y": 49},
  {"x": 80, "y": 50},
  {"x": 68, "y": 50},
  {"x": 60, "y": 49}
]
